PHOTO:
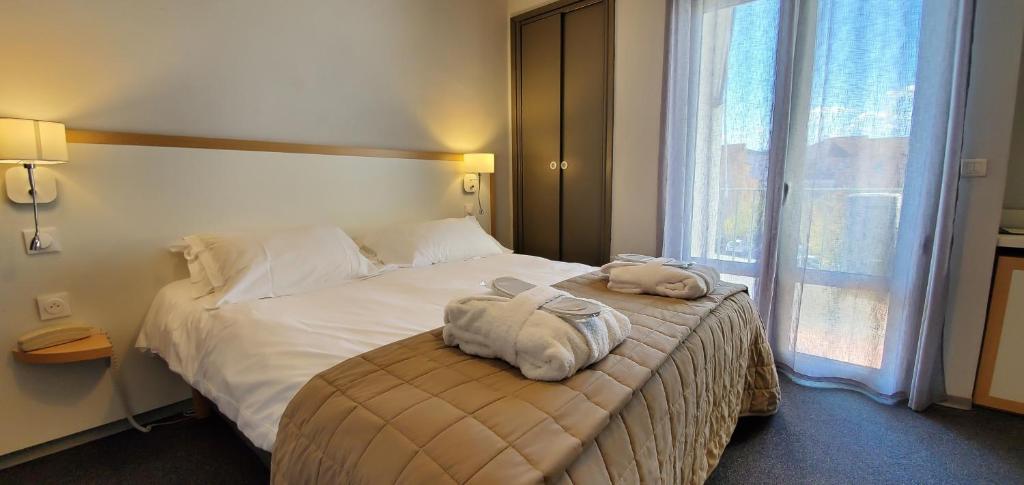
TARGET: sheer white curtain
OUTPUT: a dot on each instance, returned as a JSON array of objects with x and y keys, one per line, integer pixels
[{"x": 811, "y": 152}]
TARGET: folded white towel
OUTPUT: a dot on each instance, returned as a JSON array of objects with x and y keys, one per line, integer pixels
[
  {"x": 543, "y": 346},
  {"x": 655, "y": 278}
]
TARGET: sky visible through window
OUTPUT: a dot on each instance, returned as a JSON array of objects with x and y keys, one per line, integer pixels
[
  {"x": 865, "y": 63},
  {"x": 843, "y": 219}
]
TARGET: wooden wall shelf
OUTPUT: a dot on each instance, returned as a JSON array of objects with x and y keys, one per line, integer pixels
[{"x": 93, "y": 347}]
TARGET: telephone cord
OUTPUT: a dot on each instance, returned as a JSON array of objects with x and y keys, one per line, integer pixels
[{"x": 115, "y": 377}]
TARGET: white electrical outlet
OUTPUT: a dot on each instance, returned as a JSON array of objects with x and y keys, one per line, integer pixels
[
  {"x": 974, "y": 167},
  {"x": 48, "y": 236},
  {"x": 54, "y": 305}
]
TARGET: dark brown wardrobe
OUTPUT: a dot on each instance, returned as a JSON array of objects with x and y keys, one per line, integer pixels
[{"x": 562, "y": 119}]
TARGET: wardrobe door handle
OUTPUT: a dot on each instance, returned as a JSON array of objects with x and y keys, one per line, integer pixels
[
  {"x": 554, "y": 165},
  {"x": 565, "y": 164}
]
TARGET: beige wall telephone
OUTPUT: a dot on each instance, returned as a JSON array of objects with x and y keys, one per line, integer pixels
[{"x": 54, "y": 335}]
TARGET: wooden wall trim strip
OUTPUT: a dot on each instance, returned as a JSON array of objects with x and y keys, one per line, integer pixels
[{"x": 147, "y": 139}]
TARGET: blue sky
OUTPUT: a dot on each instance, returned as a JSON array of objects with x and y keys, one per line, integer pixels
[{"x": 865, "y": 61}]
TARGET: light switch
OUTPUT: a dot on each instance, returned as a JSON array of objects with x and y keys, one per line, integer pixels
[
  {"x": 48, "y": 236},
  {"x": 974, "y": 167}
]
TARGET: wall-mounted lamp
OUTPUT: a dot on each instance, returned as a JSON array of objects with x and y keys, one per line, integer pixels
[
  {"x": 475, "y": 164},
  {"x": 31, "y": 143}
]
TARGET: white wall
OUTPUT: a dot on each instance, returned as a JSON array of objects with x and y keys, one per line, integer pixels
[
  {"x": 995, "y": 62},
  {"x": 379, "y": 73},
  {"x": 1014, "y": 198},
  {"x": 403, "y": 74},
  {"x": 639, "y": 59}
]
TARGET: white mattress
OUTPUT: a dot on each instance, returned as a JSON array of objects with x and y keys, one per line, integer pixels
[{"x": 251, "y": 358}]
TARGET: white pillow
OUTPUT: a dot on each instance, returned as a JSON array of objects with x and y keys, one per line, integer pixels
[
  {"x": 244, "y": 267},
  {"x": 426, "y": 243}
]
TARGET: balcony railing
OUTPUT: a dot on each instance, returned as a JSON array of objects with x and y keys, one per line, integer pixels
[
  {"x": 863, "y": 220},
  {"x": 847, "y": 239}
]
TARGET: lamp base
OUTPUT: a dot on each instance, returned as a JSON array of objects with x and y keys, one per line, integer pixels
[{"x": 49, "y": 240}]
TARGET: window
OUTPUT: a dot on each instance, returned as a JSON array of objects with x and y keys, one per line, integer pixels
[{"x": 845, "y": 163}]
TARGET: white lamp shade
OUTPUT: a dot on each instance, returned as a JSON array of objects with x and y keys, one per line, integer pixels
[
  {"x": 31, "y": 141},
  {"x": 478, "y": 163}
]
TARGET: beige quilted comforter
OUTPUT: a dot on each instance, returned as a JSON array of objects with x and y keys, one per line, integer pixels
[{"x": 659, "y": 409}]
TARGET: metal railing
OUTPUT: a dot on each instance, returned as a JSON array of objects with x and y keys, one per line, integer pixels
[{"x": 847, "y": 234}]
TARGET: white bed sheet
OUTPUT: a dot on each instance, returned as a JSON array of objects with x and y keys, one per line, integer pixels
[{"x": 251, "y": 358}]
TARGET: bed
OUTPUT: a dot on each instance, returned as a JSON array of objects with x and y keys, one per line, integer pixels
[{"x": 253, "y": 359}]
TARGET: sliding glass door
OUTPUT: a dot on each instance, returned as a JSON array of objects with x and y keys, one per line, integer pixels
[
  {"x": 733, "y": 126},
  {"x": 846, "y": 171},
  {"x": 808, "y": 168}
]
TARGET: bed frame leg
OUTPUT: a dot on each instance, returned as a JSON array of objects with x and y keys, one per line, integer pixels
[{"x": 201, "y": 405}]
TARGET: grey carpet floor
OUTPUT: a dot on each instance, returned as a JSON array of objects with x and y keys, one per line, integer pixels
[
  {"x": 819, "y": 436},
  {"x": 192, "y": 452},
  {"x": 838, "y": 436}
]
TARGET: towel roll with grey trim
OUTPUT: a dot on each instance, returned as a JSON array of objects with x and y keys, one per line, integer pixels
[{"x": 655, "y": 278}]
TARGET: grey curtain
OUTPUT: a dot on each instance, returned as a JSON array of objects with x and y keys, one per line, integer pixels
[
  {"x": 753, "y": 205},
  {"x": 927, "y": 383}
]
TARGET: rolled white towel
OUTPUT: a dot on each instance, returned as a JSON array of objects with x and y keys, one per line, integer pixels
[
  {"x": 655, "y": 278},
  {"x": 543, "y": 346}
]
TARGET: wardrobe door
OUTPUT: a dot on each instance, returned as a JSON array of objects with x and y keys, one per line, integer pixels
[
  {"x": 540, "y": 127},
  {"x": 584, "y": 134}
]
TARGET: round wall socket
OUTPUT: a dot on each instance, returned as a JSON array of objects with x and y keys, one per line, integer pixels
[{"x": 54, "y": 305}]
